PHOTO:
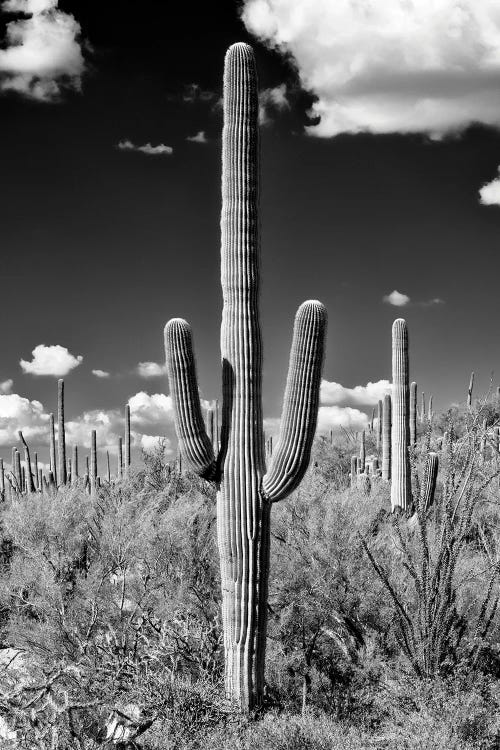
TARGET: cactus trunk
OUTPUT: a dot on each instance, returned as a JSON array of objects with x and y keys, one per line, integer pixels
[
  {"x": 61, "y": 435},
  {"x": 53, "y": 467},
  {"x": 400, "y": 433},
  {"x": 245, "y": 492},
  {"x": 413, "y": 414},
  {"x": 74, "y": 465},
  {"x": 93, "y": 463},
  {"x": 127, "y": 439}
]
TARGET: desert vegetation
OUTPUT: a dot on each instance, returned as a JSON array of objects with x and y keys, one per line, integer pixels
[{"x": 165, "y": 607}]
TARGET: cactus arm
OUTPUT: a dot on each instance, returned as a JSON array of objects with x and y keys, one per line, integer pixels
[
  {"x": 193, "y": 439},
  {"x": 300, "y": 406}
]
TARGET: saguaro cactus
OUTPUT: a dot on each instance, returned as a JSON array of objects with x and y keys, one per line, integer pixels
[
  {"x": 127, "y": 439},
  {"x": 93, "y": 462},
  {"x": 380, "y": 417},
  {"x": 413, "y": 414},
  {"x": 400, "y": 433},
  {"x": 354, "y": 471},
  {"x": 120, "y": 458},
  {"x": 362, "y": 453},
  {"x": 469, "y": 391},
  {"x": 61, "y": 434},
  {"x": 52, "y": 448},
  {"x": 74, "y": 465},
  {"x": 245, "y": 491},
  {"x": 30, "y": 485}
]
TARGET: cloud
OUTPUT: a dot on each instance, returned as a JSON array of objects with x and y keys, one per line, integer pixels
[
  {"x": 147, "y": 148},
  {"x": 42, "y": 54},
  {"x": 18, "y": 413},
  {"x": 396, "y": 298},
  {"x": 271, "y": 101},
  {"x": 151, "y": 413},
  {"x": 334, "y": 394},
  {"x": 489, "y": 194},
  {"x": 432, "y": 302},
  {"x": 100, "y": 373},
  {"x": 151, "y": 370},
  {"x": 51, "y": 360},
  {"x": 421, "y": 66},
  {"x": 194, "y": 93},
  {"x": 6, "y": 386},
  {"x": 333, "y": 417},
  {"x": 150, "y": 443},
  {"x": 200, "y": 137}
]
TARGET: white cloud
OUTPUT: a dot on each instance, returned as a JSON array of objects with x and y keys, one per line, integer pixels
[
  {"x": 6, "y": 386},
  {"x": 334, "y": 394},
  {"x": 270, "y": 101},
  {"x": 100, "y": 373},
  {"x": 147, "y": 148},
  {"x": 151, "y": 413},
  {"x": 42, "y": 53},
  {"x": 396, "y": 298},
  {"x": 432, "y": 302},
  {"x": 150, "y": 443},
  {"x": 51, "y": 360},
  {"x": 151, "y": 370},
  {"x": 333, "y": 417},
  {"x": 18, "y": 413},
  {"x": 422, "y": 66},
  {"x": 200, "y": 137},
  {"x": 489, "y": 194}
]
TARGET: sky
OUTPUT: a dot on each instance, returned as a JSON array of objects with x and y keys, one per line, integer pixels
[{"x": 380, "y": 154}]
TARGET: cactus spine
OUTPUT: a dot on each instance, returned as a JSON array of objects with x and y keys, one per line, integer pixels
[
  {"x": 400, "y": 433},
  {"x": 245, "y": 492},
  {"x": 61, "y": 436},
  {"x": 413, "y": 414}
]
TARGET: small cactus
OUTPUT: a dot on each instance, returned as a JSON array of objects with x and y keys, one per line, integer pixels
[
  {"x": 469, "y": 391},
  {"x": 74, "y": 465},
  {"x": 400, "y": 435}
]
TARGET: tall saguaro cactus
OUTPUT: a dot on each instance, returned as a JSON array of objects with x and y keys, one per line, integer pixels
[
  {"x": 52, "y": 439},
  {"x": 400, "y": 433},
  {"x": 127, "y": 439},
  {"x": 245, "y": 491},
  {"x": 61, "y": 435},
  {"x": 413, "y": 413},
  {"x": 93, "y": 462},
  {"x": 386, "y": 438}
]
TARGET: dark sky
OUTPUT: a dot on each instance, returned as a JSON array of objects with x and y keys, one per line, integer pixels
[{"x": 102, "y": 246}]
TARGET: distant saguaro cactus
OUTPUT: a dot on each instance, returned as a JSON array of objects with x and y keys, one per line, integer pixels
[
  {"x": 386, "y": 438},
  {"x": 430, "y": 413},
  {"x": 61, "y": 433},
  {"x": 429, "y": 484},
  {"x": 120, "y": 458},
  {"x": 127, "y": 439},
  {"x": 400, "y": 434},
  {"x": 469, "y": 391},
  {"x": 74, "y": 465},
  {"x": 422, "y": 408},
  {"x": 380, "y": 417},
  {"x": 354, "y": 471},
  {"x": 362, "y": 453},
  {"x": 413, "y": 413},
  {"x": 30, "y": 485},
  {"x": 245, "y": 491},
  {"x": 52, "y": 448},
  {"x": 93, "y": 462}
]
